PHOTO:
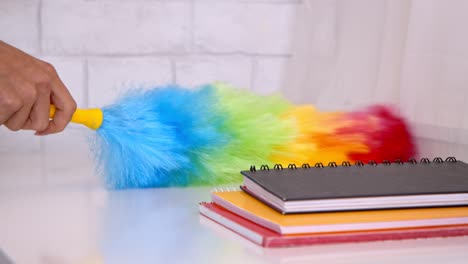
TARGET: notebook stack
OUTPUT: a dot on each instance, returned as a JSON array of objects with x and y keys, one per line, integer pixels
[{"x": 296, "y": 206}]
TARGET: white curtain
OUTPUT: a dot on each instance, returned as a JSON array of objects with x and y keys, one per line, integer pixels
[{"x": 413, "y": 54}]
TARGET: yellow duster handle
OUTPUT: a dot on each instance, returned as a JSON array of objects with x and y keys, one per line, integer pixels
[{"x": 91, "y": 118}]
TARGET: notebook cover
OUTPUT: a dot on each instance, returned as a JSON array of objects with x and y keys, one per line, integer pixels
[
  {"x": 267, "y": 238},
  {"x": 363, "y": 181},
  {"x": 254, "y": 210}
]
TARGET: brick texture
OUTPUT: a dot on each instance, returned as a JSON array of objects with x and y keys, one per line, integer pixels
[
  {"x": 18, "y": 24},
  {"x": 99, "y": 27},
  {"x": 243, "y": 27},
  {"x": 199, "y": 70},
  {"x": 110, "y": 77}
]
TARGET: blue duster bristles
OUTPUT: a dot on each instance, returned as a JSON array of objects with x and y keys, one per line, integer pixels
[{"x": 158, "y": 137}]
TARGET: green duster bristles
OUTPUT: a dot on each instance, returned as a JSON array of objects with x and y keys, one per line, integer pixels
[{"x": 254, "y": 130}]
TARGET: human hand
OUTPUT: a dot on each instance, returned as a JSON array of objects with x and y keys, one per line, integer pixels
[{"x": 28, "y": 86}]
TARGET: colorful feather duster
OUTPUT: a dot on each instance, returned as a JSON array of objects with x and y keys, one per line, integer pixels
[{"x": 171, "y": 136}]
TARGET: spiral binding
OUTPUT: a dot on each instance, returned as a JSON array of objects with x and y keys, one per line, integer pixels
[{"x": 358, "y": 163}]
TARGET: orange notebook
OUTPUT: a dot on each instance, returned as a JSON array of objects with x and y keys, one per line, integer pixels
[{"x": 252, "y": 209}]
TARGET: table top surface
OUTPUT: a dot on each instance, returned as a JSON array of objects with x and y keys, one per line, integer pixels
[{"x": 93, "y": 225}]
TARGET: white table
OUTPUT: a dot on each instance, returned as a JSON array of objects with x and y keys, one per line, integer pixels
[{"x": 92, "y": 225}]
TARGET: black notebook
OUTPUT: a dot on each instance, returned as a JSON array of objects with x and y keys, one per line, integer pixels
[{"x": 360, "y": 186}]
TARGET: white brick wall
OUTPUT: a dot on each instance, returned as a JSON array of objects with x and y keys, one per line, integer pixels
[
  {"x": 19, "y": 24},
  {"x": 263, "y": 28},
  {"x": 72, "y": 73},
  {"x": 66, "y": 158},
  {"x": 196, "y": 70},
  {"x": 269, "y": 74},
  {"x": 116, "y": 27},
  {"x": 21, "y": 170},
  {"x": 100, "y": 48},
  {"x": 110, "y": 77},
  {"x": 20, "y": 159}
]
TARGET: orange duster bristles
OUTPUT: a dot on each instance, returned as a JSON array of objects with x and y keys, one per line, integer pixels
[{"x": 373, "y": 134}]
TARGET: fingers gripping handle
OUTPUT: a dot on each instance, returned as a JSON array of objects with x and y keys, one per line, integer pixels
[{"x": 91, "y": 118}]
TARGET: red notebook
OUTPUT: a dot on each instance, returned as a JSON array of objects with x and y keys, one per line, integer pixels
[{"x": 267, "y": 238}]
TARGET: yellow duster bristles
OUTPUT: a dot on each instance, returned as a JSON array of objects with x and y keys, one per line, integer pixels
[{"x": 316, "y": 139}]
